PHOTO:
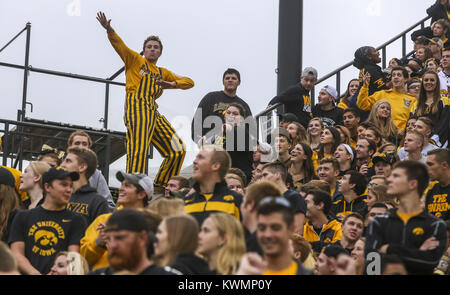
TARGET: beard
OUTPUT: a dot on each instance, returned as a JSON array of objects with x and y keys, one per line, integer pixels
[{"x": 126, "y": 259}]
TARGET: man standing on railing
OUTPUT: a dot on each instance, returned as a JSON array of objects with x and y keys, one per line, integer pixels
[
  {"x": 145, "y": 82},
  {"x": 296, "y": 98}
]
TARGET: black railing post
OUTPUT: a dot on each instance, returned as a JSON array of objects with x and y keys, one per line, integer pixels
[
  {"x": 404, "y": 44},
  {"x": 5, "y": 143},
  {"x": 105, "y": 116},
  {"x": 26, "y": 72},
  {"x": 383, "y": 50},
  {"x": 338, "y": 84},
  {"x": 107, "y": 158}
]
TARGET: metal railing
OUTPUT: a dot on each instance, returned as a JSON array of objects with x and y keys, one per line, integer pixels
[
  {"x": 21, "y": 114},
  {"x": 382, "y": 47},
  {"x": 30, "y": 136},
  {"x": 267, "y": 117}
]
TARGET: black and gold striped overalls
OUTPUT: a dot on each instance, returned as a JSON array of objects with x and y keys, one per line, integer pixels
[{"x": 146, "y": 125}]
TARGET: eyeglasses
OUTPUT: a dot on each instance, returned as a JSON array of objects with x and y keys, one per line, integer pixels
[
  {"x": 275, "y": 200},
  {"x": 414, "y": 87}
]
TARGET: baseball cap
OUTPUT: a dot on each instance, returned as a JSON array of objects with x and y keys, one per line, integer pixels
[
  {"x": 436, "y": 41},
  {"x": 385, "y": 157},
  {"x": 289, "y": 117},
  {"x": 137, "y": 179},
  {"x": 309, "y": 71},
  {"x": 59, "y": 173},
  {"x": 331, "y": 91},
  {"x": 334, "y": 251},
  {"x": 281, "y": 132},
  {"x": 6, "y": 177},
  {"x": 422, "y": 40},
  {"x": 127, "y": 219}
]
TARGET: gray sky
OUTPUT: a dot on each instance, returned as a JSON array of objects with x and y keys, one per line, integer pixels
[{"x": 201, "y": 39}]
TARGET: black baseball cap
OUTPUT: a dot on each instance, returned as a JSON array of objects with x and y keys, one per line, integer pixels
[
  {"x": 334, "y": 251},
  {"x": 127, "y": 219},
  {"x": 289, "y": 117},
  {"x": 6, "y": 177},
  {"x": 385, "y": 157},
  {"x": 59, "y": 173}
]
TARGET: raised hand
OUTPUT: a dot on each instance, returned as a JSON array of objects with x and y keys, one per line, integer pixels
[
  {"x": 101, "y": 17},
  {"x": 366, "y": 79}
]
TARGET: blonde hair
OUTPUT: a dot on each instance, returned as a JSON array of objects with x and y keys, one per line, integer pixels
[
  {"x": 182, "y": 235},
  {"x": 166, "y": 207},
  {"x": 308, "y": 135},
  {"x": 234, "y": 248},
  {"x": 39, "y": 168},
  {"x": 235, "y": 176},
  {"x": 76, "y": 264},
  {"x": 387, "y": 128},
  {"x": 380, "y": 192}
]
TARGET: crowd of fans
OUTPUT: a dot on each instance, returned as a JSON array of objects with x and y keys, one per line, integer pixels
[{"x": 356, "y": 180}]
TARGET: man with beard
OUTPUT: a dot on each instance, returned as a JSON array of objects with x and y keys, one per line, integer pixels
[
  {"x": 352, "y": 230},
  {"x": 128, "y": 237}
]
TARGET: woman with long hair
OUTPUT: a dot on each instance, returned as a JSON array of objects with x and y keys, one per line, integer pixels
[
  {"x": 345, "y": 134},
  {"x": 346, "y": 157},
  {"x": 177, "y": 240},
  {"x": 424, "y": 54},
  {"x": 297, "y": 132},
  {"x": 301, "y": 166},
  {"x": 352, "y": 87},
  {"x": 373, "y": 133},
  {"x": 429, "y": 103},
  {"x": 9, "y": 205},
  {"x": 31, "y": 182},
  {"x": 315, "y": 127},
  {"x": 381, "y": 117},
  {"x": 221, "y": 242},
  {"x": 329, "y": 141},
  {"x": 69, "y": 263},
  {"x": 432, "y": 64}
]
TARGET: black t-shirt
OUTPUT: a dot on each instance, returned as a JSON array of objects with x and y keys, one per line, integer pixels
[
  {"x": 151, "y": 270},
  {"x": 296, "y": 200},
  {"x": 45, "y": 233},
  {"x": 329, "y": 118},
  {"x": 213, "y": 104},
  {"x": 251, "y": 241},
  {"x": 438, "y": 201}
]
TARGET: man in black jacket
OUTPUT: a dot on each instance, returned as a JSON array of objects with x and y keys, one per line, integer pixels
[
  {"x": 438, "y": 10},
  {"x": 214, "y": 105},
  {"x": 85, "y": 200},
  {"x": 296, "y": 98},
  {"x": 416, "y": 236}
]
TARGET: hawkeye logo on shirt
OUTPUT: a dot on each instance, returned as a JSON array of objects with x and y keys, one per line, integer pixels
[
  {"x": 228, "y": 198},
  {"x": 407, "y": 102},
  {"x": 46, "y": 235},
  {"x": 418, "y": 231}
]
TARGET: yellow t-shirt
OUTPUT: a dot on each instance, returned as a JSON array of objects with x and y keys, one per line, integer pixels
[
  {"x": 289, "y": 271},
  {"x": 401, "y": 104}
]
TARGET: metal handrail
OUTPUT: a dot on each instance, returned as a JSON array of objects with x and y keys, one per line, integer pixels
[
  {"x": 338, "y": 71},
  {"x": 382, "y": 47}
]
